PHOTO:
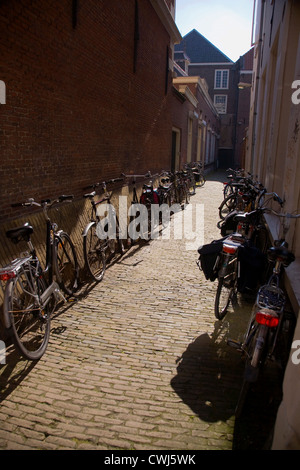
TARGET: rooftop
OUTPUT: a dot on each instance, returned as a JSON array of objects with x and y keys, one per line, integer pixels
[{"x": 200, "y": 50}]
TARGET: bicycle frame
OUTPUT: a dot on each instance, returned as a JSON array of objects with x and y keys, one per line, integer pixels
[
  {"x": 53, "y": 237},
  {"x": 30, "y": 263},
  {"x": 267, "y": 315},
  {"x": 31, "y": 269},
  {"x": 95, "y": 218},
  {"x": 230, "y": 252}
]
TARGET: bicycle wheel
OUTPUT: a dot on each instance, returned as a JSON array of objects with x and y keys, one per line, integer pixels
[
  {"x": 94, "y": 254},
  {"x": 202, "y": 181},
  {"x": 227, "y": 205},
  {"x": 181, "y": 195},
  {"x": 192, "y": 185},
  {"x": 242, "y": 398},
  {"x": 252, "y": 367},
  {"x": 223, "y": 297},
  {"x": 187, "y": 195},
  {"x": 228, "y": 189},
  {"x": 66, "y": 265},
  {"x": 30, "y": 324}
]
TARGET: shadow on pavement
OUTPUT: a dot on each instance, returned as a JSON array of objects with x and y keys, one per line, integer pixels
[
  {"x": 209, "y": 378},
  {"x": 13, "y": 372},
  {"x": 206, "y": 377}
]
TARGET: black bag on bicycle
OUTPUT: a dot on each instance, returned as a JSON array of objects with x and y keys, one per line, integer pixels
[
  {"x": 252, "y": 263},
  {"x": 208, "y": 259}
]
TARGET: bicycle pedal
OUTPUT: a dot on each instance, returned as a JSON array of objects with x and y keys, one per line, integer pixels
[{"x": 234, "y": 344}]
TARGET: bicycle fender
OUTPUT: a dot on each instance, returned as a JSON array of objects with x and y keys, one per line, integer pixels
[
  {"x": 87, "y": 228},
  {"x": 6, "y": 317}
]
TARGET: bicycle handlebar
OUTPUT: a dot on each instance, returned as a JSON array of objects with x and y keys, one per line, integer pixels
[
  {"x": 104, "y": 183},
  {"x": 287, "y": 214},
  {"x": 44, "y": 202},
  {"x": 147, "y": 175}
]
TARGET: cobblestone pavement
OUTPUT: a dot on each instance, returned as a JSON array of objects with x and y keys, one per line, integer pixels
[{"x": 139, "y": 362}]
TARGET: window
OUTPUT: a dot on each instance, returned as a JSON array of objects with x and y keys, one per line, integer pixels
[
  {"x": 220, "y": 102},
  {"x": 221, "y": 79}
]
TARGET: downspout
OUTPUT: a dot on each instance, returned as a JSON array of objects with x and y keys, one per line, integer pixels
[{"x": 260, "y": 40}]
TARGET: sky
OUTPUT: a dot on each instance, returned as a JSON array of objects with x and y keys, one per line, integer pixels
[{"x": 227, "y": 24}]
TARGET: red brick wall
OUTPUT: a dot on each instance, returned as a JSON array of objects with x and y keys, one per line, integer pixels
[
  {"x": 75, "y": 110},
  {"x": 207, "y": 71}
]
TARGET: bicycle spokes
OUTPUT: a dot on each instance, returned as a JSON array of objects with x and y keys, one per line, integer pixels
[{"x": 30, "y": 320}]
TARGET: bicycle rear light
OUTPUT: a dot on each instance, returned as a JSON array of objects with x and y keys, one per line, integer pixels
[
  {"x": 6, "y": 275},
  {"x": 230, "y": 249},
  {"x": 268, "y": 318}
]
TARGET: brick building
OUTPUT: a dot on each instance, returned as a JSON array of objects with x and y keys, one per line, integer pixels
[
  {"x": 196, "y": 56},
  {"x": 245, "y": 75},
  {"x": 273, "y": 153},
  {"x": 88, "y": 94},
  {"x": 196, "y": 123}
]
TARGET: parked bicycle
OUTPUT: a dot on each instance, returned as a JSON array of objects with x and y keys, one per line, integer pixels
[
  {"x": 101, "y": 233},
  {"x": 234, "y": 176},
  {"x": 191, "y": 180},
  {"x": 32, "y": 293},
  {"x": 181, "y": 184},
  {"x": 237, "y": 260},
  {"x": 245, "y": 196},
  {"x": 197, "y": 169},
  {"x": 140, "y": 211},
  {"x": 267, "y": 317},
  {"x": 166, "y": 190}
]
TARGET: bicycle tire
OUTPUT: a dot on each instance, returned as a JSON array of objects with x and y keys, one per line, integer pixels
[
  {"x": 30, "y": 325},
  {"x": 250, "y": 372},
  {"x": 227, "y": 205},
  {"x": 187, "y": 195},
  {"x": 222, "y": 307},
  {"x": 242, "y": 398},
  {"x": 181, "y": 195},
  {"x": 192, "y": 186},
  {"x": 94, "y": 254},
  {"x": 228, "y": 189},
  {"x": 66, "y": 265},
  {"x": 202, "y": 181}
]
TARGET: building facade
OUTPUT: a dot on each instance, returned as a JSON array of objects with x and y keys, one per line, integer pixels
[
  {"x": 273, "y": 153},
  {"x": 245, "y": 75},
  {"x": 88, "y": 94},
  {"x": 196, "y": 123},
  {"x": 196, "y": 56}
]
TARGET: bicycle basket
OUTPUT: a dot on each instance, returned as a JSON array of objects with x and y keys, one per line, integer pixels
[{"x": 271, "y": 297}]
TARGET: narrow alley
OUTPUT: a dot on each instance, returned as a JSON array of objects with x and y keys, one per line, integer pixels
[{"x": 139, "y": 362}]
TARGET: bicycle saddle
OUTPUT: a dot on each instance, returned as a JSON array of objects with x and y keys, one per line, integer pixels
[
  {"x": 246, "y": 216},
  {"x": 241, "y": 216},
  {"x": 20, "y": 233},
  {"x": 281, "y": 252},
  {"x": 90, "y": 195}
]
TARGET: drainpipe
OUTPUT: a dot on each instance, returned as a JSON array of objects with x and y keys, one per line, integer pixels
[{"x": 260, "y": 40}]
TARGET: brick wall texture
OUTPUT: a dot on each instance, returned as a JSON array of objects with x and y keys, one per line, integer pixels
[{"x": 81, "y": 104}]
